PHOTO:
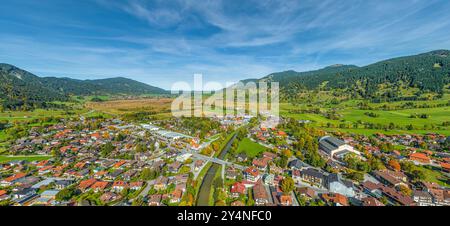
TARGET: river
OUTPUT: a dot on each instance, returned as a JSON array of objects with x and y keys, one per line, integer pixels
[{"x": 205, "y": 187}]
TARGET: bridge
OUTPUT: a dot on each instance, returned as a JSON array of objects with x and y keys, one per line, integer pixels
[{"x": 214, "y": 160}]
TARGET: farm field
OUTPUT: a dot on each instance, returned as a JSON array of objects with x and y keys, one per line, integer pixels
[
  {"x": 30, "y": 158},
  {"x": 117, "y": 107},
  {"x": 351, "y": 115},
  {"x": 434, "y": 176},
  {"x": 36, "y": 114},
  {"x": 250, "y": 148}
]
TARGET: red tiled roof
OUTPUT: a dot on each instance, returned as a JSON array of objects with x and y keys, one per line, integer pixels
[
  {"x": 251, "y": 170},
  {"x": 120, "y": 184},
  {"x": 419, "y": 157},
  {"x": 100, "y": 185},
  {"x": 445, "y": 166},
  {"x": 238, "y": 188},
  {"x": 85, "y": 184},
  {"x": 15, "y": 177}
]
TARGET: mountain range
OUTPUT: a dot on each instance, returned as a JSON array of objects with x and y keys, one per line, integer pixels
[
  {"x": 382, "y": 81},
  {"x": 422, "y": 73},
  {"x": 20, "y": 87}
]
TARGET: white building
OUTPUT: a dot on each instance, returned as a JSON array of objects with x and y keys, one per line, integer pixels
[{"x": 335, "y": 147}]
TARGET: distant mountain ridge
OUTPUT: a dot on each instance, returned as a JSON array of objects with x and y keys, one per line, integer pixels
[
  {"x": 20, "y": 87},
  {"x": 427, "y": 72}
]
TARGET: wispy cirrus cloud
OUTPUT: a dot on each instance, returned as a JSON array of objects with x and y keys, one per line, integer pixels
[{"x": 160, "y": 42}]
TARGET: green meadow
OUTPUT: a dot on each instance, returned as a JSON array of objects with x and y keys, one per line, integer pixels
[
  {"x": 350, "y": 114},
  {"x": 30, "y": 158},
  {"x": 250, "y": 148}
]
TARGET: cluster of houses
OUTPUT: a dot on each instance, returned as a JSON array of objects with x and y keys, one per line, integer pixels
[
  {"x": 74, "y": 160},
  {"x": 101, "y": 158}
]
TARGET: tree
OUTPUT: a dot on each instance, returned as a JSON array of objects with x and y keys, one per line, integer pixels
[
  {"x": 418, "y": 175},
  {"x": 287, "y": 153},
  {"x": 394, "y": 165},
  {"x": 66, "y": 194},
  {"x": 404, "y": 190},
  {"x": 106, "y": 149},
  {"x": 287, "y": 185}
]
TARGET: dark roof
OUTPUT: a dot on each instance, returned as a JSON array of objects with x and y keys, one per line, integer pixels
[
  {"x": 417, "y": 193},
  {"x": 330, "y": 143},
  {"x": 296, "y": 163},
  {"x": 312, "y": 172}
]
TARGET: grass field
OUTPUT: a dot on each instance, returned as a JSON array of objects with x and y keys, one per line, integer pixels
[
  {"x": 36, "y": 114},
  {"x": 154, "y": 105},
  {"x": 250, "y": 148},
  {"x": 350, "y": 115},
  {"x": 30, "y": 158},
  {"x": 434, "y": 176}
]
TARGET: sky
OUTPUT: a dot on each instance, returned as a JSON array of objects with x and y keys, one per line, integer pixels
[{"x": 166, "y": 41}]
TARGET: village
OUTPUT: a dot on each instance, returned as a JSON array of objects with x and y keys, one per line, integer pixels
[{"x": 97, "y": 161}]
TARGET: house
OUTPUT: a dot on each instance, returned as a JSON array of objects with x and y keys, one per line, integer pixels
[
  {"x": 231, "y": 173},
  {"x": 119, "y": 186},
  {"x": 119, "y": 164},
  {"x": 371, "y": 201},
  {"x": 274, "y": 169},
  {"x": 181, "y": 178},
  {"x": 24, "y": 193},
  {"x": 136, "y": 185},
  {"x": 390, "y": 177},
  {"x": 12, "y": 179},
  {"x": 175, "y": 167},
  {"x": 237, "y": 189},
  {"x": 251, "y": 174},
  {"x": 423, "y": 198},
  {"x": 161, "y": 183},
  {"x": 260, "y": 194},
  {"x": 99, "y": 186},
  {"x": 109, "y": 197},
  {"x": 261, "y": 163},
  {"x": 129, "y": 174},
  {"x": 242, "y": 157},
  {"x": 396, "y": 197},
  {"x": 61, "y": 184},
  {"x": 175, "y": 196},
  {"x": 445, "y": 167},
  {"x": 335, "y": 199},
  {"x": 269, "y": 155},
  {"x": 113, "y": 175},
  {"x": 44, "y": 170},
  {"x": 333, "y": 146},
  {"x": 86, "y": 184},
  {"x": 269, "y": 179},
  {"x": 306, "y": 192},
  {"x": 155, "y": 200},
  {"x": 312, "y": 176},
  {"x": 3, "y": 195},
  {"x": 335, "y": 184},
  {"x": 419, "y": 157},
  {"x": 49, "y": 194},
  {"x": 237, "y": 203},
  {"x": 285, "y": 200},
  {"x": 296, "y": 164},
  {"x": 198, "y": 165},
  {"x": 441, "y": 196}
]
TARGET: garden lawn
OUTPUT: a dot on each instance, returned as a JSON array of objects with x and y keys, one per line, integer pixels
[
  {"x": 252, "y": 149},
  {"x": 30, "y": 158}
]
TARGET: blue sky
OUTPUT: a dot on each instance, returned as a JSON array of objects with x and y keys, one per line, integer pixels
[{"x": 161, "y": 42}]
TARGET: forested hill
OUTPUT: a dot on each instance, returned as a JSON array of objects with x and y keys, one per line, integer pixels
[
  {"x": 427, "y": 72},
  {"x": 20, "y": 89}
]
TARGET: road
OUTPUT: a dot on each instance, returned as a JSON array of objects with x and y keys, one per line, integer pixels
[
  {"x": 215, "y": 160},
  {"x": 145, "y": 191}
]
